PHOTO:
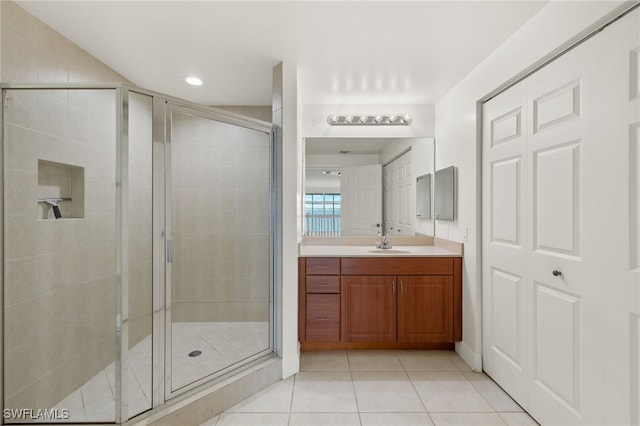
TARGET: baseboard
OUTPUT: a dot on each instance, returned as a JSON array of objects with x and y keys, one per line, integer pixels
[{"x": 473, "y": 359}]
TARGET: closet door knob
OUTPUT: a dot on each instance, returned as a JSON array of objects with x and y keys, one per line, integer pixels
[{"x": 556, "y": 273}]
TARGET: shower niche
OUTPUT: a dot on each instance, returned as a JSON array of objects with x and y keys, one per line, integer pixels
[{"x": 61, "y": 190}]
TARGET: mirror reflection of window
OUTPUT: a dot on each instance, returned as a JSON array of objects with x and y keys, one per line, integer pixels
[{"x": 322, "y": 215}]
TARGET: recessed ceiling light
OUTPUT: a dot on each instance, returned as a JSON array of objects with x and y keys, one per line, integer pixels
[{"x": 194, "y": 81}]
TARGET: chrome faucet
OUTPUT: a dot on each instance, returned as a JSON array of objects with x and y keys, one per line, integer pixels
[{"x": 384, "y": 244}]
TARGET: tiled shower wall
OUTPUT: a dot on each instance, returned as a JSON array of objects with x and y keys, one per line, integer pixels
[
  {"x": 59, "y": 295},
  {"x": 221, "y": 221},
  {"x": 60, "y": 273}
]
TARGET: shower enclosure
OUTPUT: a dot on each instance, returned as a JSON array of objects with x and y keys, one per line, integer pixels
[{"x": 138, "y": 250}]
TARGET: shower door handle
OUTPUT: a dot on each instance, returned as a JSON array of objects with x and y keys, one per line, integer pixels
[{"x": 169, "y": 251}]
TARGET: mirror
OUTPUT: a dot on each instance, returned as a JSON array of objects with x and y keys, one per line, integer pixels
[
  {"x": 366, "y": 186},
  {"x": 445, "y": 193},
  {"x": 423, "y": 197}
]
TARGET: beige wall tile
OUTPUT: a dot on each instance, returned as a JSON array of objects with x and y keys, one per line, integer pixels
[
  {"x": 20, "y": 192},
  {"x": 19, "y": 21},
  {"x": 20, "y": 325},
  {"x": 25, "y": 398},
  {"x": 20, "y": 149},
  {"x": 20, "y": 281},
  {"x": 258, "y": 112},
  {"x": 52, "y": 114},
  {"x": 19, "y": 58},
  {"x": 52, "y": 148},
  {"x": 20, "y": 236},
  {"x": 21, "y": 108},
  {"x": 51, "y": 67},
  {"x": 22, "y": 372}
]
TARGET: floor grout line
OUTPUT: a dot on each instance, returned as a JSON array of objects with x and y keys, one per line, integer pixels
[
  {"x": 334, "y": 367},
  {"x": 293, "y": 392}
]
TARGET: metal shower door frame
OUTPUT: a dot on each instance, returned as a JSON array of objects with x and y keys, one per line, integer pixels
[
  {"x": 171, "y": 106},
  {"x": 161, "y": 105}
]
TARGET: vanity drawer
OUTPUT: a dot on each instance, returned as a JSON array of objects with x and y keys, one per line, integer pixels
[
  {"x": 397, "y": 266},
  {"x": 323, "y": 266},
  {"x": 323, "y": 318},
  {"x": 323, "y": 284}
]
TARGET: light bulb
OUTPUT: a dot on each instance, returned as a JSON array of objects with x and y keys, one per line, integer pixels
[{"x": 194, "y": 81}]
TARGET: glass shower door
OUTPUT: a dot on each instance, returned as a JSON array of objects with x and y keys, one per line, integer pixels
[{"x": 218, "y": 246}]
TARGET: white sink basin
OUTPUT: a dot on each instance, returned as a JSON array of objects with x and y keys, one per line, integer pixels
[{"x": 388, "y": 251}]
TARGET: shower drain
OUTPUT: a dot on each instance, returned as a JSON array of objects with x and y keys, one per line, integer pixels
[{"x": 194, "y": 353}]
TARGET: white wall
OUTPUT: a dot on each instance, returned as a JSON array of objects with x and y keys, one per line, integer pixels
[
  {"x": 422, "y": 162},
  {"x": 457, "y": 136},
  {"x": 291, "y": 216}
]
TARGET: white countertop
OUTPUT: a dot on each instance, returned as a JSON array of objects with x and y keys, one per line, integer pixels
[{"x": 371, "y": 251}]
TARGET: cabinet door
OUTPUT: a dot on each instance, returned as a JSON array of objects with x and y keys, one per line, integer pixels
[
  {"x": 425, "y": 308},
  {"x": 323, "y": 318},
  {"x": 368, "y": 308}
]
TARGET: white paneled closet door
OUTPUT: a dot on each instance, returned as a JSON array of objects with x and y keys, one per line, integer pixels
[
  {"x": 560, "y": 234},
  {"x": 566, "y": 183},
  {"x": 621, "y": 68},
  {"x": 505, "y": 241}
]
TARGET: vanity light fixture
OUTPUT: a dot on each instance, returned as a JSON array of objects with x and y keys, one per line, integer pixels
[
  {"x": 370, "y": 120},
  {"x": 194, "y": 81}
]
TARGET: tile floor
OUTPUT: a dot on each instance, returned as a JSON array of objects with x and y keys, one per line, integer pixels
[
  {"x": 222, "y": 344},
  {"x": 368, "y": 388}
]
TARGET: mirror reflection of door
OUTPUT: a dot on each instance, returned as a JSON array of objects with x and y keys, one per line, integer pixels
[
  {"x": 361, "y": 189},
  {"x": 399, "y": 196}
]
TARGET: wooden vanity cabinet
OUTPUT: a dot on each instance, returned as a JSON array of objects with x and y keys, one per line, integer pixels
[
  {"x": 320, "y": 301},
  {"x": 404, "y": 308},
  {"x": 368, "y": 308},
  {"x": 425, "y": 308},
  {"x": 384, "y": 303}
]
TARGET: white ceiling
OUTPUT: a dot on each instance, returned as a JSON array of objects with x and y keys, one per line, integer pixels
[{"x": 348, "y": 52}]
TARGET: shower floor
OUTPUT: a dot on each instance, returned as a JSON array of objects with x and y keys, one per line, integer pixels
[{"x": 221, "y": 344}]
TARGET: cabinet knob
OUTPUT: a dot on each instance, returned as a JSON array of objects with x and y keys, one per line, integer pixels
[{"x": 556, "y": 273}]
